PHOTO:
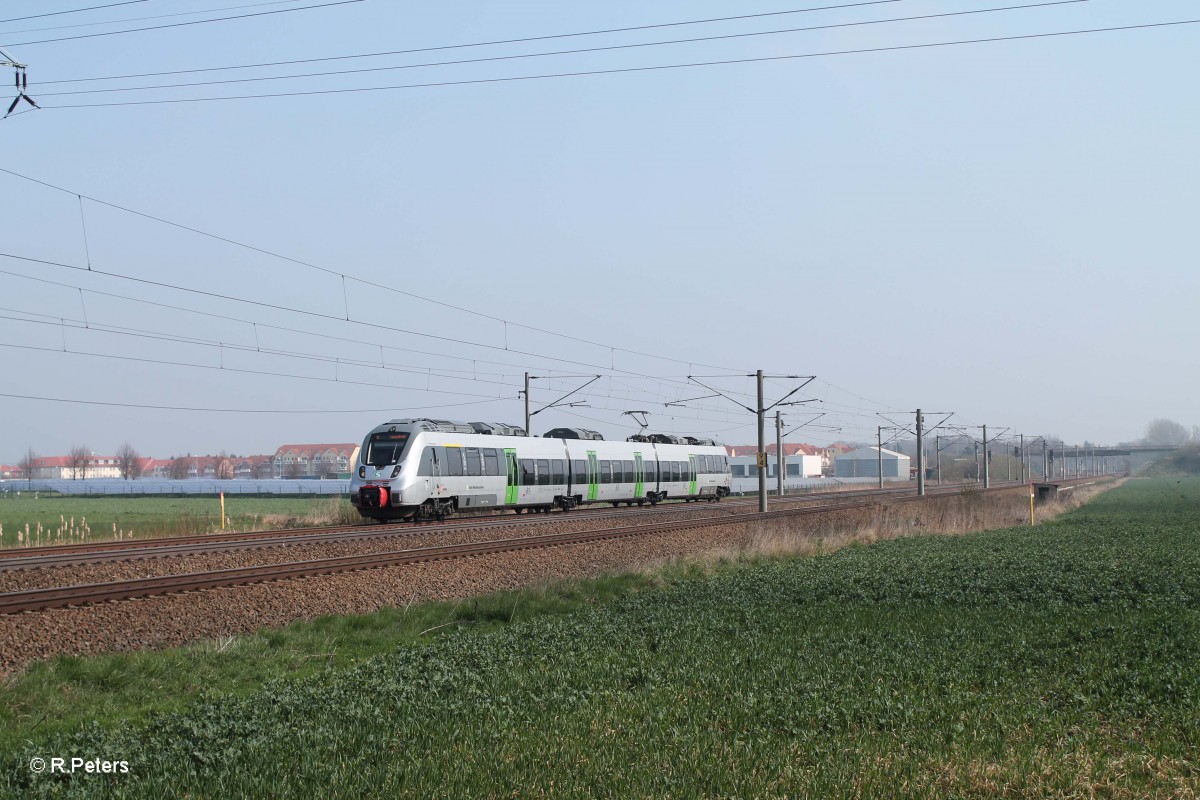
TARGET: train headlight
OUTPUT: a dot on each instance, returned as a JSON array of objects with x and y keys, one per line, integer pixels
[
  {"x": 362, "y": 472},
  {"x": 396, "y": 471}
]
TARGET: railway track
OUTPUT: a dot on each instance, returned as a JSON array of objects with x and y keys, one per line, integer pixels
[
  {"x": 140, "y": 549},
  {"x": 63, "y": 596}
]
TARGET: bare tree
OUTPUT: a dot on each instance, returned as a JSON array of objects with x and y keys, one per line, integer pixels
[
  {"x": 129, "y": 462},
  {"x": 292, "y": 470},
  {"x": 178, "y": 468},
  {"x": 78, "y": 461},
  {"x": 1165, "y": 431},
  {"x": 224, "y": 467},
  {"x": 27, "y": 466}
]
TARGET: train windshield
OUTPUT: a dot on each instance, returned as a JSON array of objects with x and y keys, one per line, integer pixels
[{"x": 384, "y": 449}]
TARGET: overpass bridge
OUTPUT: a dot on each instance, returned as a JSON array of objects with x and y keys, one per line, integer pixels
[{"x": 1077, "y": 461}]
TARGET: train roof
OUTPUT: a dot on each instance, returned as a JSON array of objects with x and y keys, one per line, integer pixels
[
  {"x": 505, "y": 429},
  {"x": 450, "y": 426}
]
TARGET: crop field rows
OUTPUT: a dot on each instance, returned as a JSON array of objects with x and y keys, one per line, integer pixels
[{"x": 1049, "y": 661}]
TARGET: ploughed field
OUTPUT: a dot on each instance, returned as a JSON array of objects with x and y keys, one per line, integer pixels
[{"x": 1059, "y": 660}]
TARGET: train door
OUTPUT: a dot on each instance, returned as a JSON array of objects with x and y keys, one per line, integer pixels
[
  {"x": 692, "y": 475},
  {"x": 639, "y": 488},
  {"x": 593, "y": 492},
  {"x": 514, "y": 477},
  {"x": 433, "y": 484}
]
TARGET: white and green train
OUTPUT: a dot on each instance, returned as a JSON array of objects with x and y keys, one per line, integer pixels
[{"x": 427, "y": 469}]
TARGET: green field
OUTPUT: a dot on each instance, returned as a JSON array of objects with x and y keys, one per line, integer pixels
[
  {"x": 73, "y": 519},
  {"x": 1051, "y": 661}
]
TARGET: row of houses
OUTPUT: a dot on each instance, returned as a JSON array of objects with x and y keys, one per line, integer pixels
[
  {"x": 335, "y": 460},
  {"x": 288, "y": 461}
]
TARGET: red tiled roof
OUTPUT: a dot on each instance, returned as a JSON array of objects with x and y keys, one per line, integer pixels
[
  {"x": 51, "y": 461},
  {"x": 306, "y": 449},
  {"x": 789, "y": 449}
]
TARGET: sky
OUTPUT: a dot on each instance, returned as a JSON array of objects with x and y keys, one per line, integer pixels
[{"x": 997, "y": 230}]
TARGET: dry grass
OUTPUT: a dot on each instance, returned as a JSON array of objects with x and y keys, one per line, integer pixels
[
  {"x": 1060, "y": 772},
  {"x": 329, "y": 512},
  {"x": 967, "y": 511}
]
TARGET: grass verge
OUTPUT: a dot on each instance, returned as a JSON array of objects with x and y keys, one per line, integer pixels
[{"x": 69, "y": 519}]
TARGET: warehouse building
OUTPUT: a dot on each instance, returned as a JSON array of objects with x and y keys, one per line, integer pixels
[{"x": 864, "y": 463}]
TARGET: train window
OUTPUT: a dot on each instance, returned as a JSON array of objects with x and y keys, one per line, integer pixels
[
  {"x": 543, "y": 472},
  {"x": 605, "y": 472},
  {"x": 628, "y": 471},
  {"x": 678, "y": 470},
  {"x": 384, "y": 449},
  {"x": 474, "y": 461},
  {"x": 491, "y": 462},
  {"x": 558, "y": 471},
  {"x": 426, "y": 467},
  {"x": 528, "y": 478},
  {"x": 650, "y": 471},
  {"x": 579, "y": 471},
  {"x": 454, "y": 461}
]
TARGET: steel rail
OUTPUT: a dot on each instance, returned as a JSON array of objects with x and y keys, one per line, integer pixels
[
  {"x": 137, "y": 549},
  {"x": 83, "y": 594}
]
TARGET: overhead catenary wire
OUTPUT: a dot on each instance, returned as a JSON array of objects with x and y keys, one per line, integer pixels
[
  {"x": 181, "y": 24},
  {"x": 461, "y": 46},
  {"x": 79, "y": 401},
  {"x": 321, "y": 315},
  {"x": 334, "y": 272},
  {"x": 66, "y": 323},
  {"x": 224, "y": 346},
  {"x": 255, "y": 324},
  {"x": 273, "y": 374},
  {"x": 578, "y": 51},
  {"x": 140, "y": 19},
  {"x": 72, "y": 11},
  {"x": 634, "y": 70},
  {"x": 344, "y": 276}
]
